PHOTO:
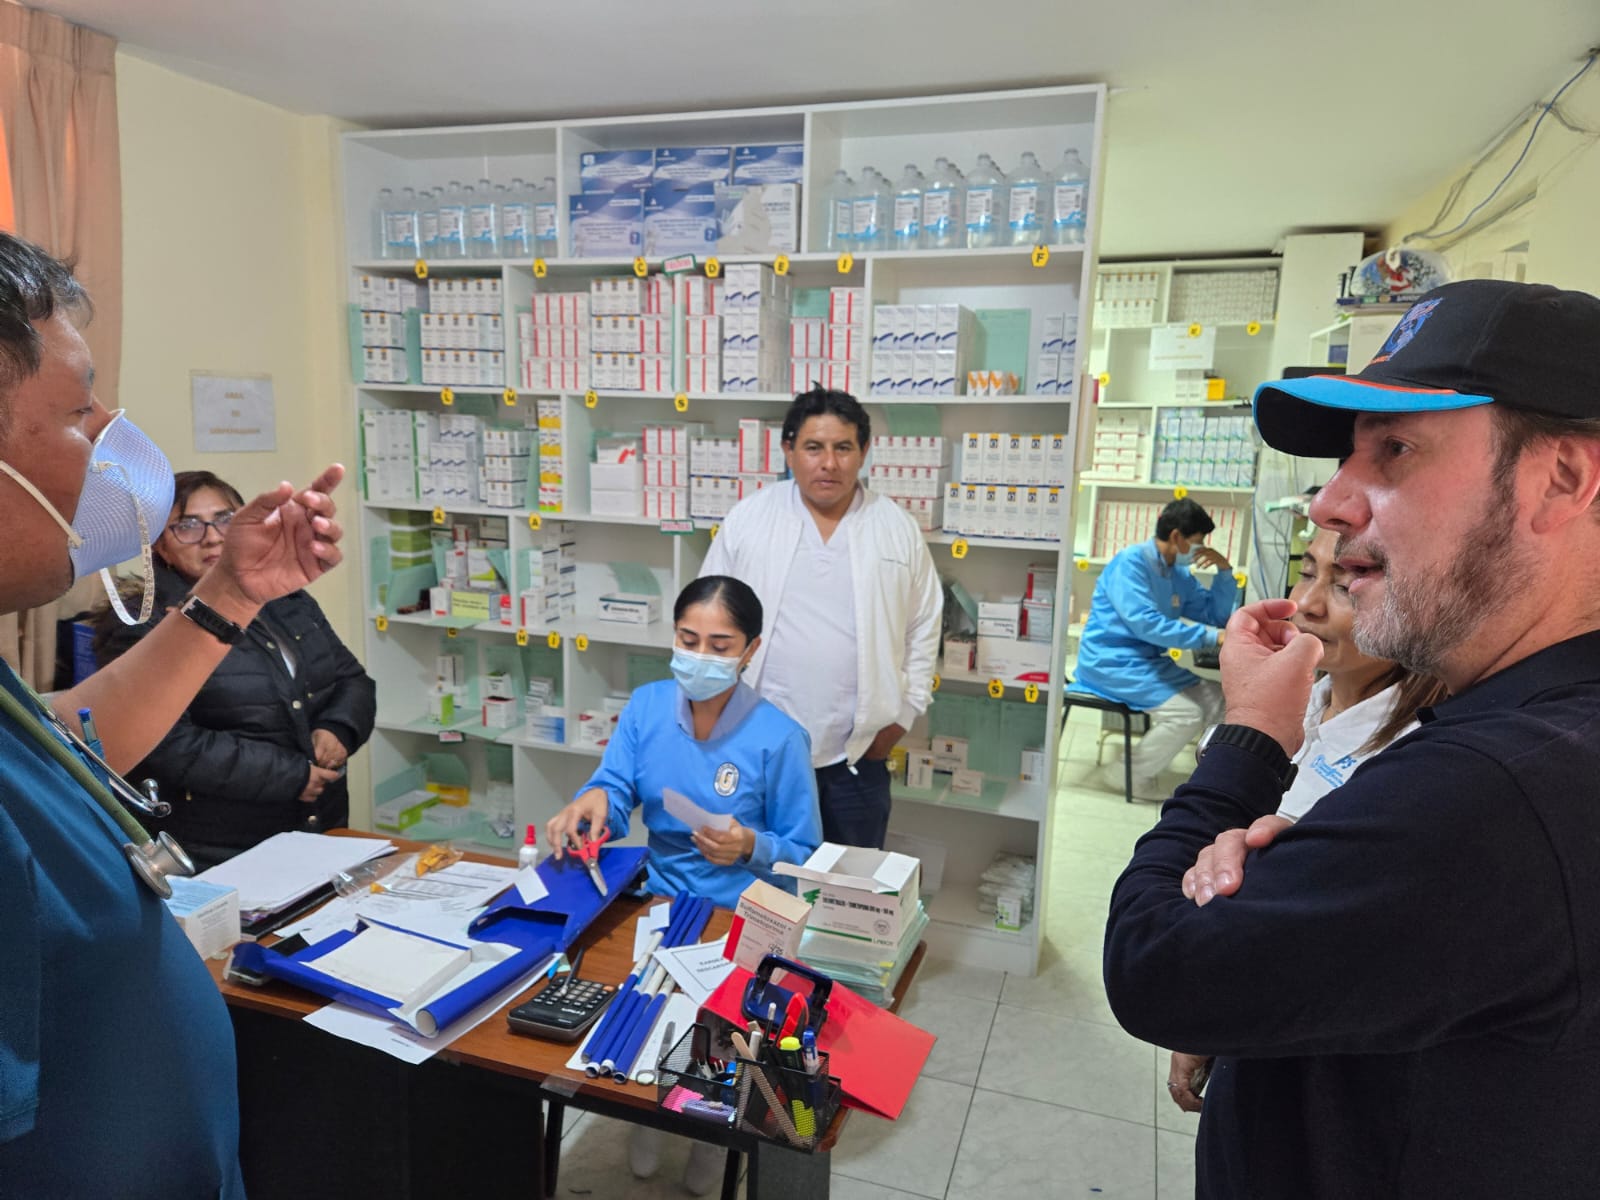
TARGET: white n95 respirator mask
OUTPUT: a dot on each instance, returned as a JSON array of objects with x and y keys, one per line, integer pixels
[{"x": 126, "y": 497}]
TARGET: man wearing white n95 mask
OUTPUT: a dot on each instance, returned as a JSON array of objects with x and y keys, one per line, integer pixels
[
  {"x": 854, "y": 604},
  {"x": 84, "y": 1110}
]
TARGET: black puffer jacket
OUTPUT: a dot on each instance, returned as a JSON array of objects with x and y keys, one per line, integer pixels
[{"x": 234, "y": 765}]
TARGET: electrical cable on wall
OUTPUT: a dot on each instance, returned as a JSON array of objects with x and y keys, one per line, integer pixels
[{"x": 1544, "y": 111}]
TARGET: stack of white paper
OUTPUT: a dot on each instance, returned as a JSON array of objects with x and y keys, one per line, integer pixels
[
  {"x": 289, "y": 866},
  {"x": 393, "y": 963}
]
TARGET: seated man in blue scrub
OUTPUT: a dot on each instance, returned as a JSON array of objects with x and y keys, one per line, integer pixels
[
  {"x": 710, "y": 738},
  {"x": 1146, "y": 603}
]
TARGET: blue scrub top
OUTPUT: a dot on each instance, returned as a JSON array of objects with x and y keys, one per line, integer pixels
[
  {"x": 756, "y": 765},
  {"x": 1134, "y": 621},
  {"x": 117, "y": 1071}
]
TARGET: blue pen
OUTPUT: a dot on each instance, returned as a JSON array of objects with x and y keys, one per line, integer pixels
[
  {"x": 811, "y": 1063},
  {"x": 90, "y": 735}
]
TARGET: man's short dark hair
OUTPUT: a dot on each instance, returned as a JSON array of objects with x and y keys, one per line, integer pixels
[
  {"x": 1515, "y": 429},
  {"x": 1185, "y": 517},
  {"x": 34, "y": 286},
  {"x": 820, "y": 402}
]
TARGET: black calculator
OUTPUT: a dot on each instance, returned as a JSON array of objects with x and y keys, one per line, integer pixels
[{"x": 563, "y": 1009}]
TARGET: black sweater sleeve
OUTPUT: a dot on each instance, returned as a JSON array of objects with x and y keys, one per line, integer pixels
[
  {"x": 214, "y": 762},
  {"x": 351, "y": 706},
  {"x": 1361, "y": 929}
]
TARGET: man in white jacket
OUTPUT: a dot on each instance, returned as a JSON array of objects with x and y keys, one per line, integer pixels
[{"x": 854, "y": 608}]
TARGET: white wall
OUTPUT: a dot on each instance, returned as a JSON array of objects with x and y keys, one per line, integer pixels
[{"x": 231, "y": 245}]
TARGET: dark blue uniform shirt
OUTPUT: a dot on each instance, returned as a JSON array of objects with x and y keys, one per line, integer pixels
[
  {"x": 1404, "y": 994},
  {"x": 117, "y": 1074}
]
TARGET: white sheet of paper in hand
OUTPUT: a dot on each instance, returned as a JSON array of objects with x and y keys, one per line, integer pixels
[
  {"x": 657, "y": 918},
  {"x": 530, "y": 887},
  {"x": 691, "y": 814}
]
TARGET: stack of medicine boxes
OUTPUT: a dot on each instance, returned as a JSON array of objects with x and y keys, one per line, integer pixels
[
  {"x": 921, "y": 349},
  {"x": 552, "y": 475},
  {"x": 1197, "y": 447},
  {"x": 616, "y": 477},
  {"x": 448, "y": 450},
  {"x": 551, "y": 589},
  {"x": 1011, "y": 487},
  {"x": 846, "y": 349},
  {"x": 701, "y": 300},
  {"x": 555, "y": 342},
  {"x": 503, "y": 467},
  {"x": 756, "y": 307},
  {"x": 388, "y": 455},
  {"x": 666, "y": 470},
  {"x": 713, "y": 476},
  {"x": 808, "y": 354},
  {"x": 465, "y": 326},
  {"x": 383, "y": 301},
  {"x": 914, "y": 472},
  {"x": 1057, "y": 364},
  {"x": 410, "y": 546},
  {"x": 1118, "y": 448},
  {"x": 630, "y": 334}
]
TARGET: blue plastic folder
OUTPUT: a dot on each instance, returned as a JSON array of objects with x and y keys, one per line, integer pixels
[{"x": 537, "y": 930}]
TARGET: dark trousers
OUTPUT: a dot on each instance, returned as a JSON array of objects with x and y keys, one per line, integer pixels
[{"x": 855, "y": 802}]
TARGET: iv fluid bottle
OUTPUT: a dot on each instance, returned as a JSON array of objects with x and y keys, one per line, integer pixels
[
  {"x": 380, "y": 221},
  {"x": 516, "y": 221},
  {"x": 453, "y": 222},
  {"x": 906, "y": 227},
  {"x": 870, "y": 206},
  {"x": 428, "y": 223},
  {"x": 404, "y": 236},
  {"x": 1029, "y": 188},
  {"x": 942, "y": 208},
  {"x": 839, "y": 200},
  {"x": 986, "y": 197},
  {"x": 1070, "y": 209},
  {"x": 483, "y": 223},
  {"x": 545, "y": 208}
]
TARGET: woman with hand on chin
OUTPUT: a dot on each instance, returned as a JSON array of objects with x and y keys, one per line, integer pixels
[
  {"x": 1359, "y": 706},
  {"x": 708, "y": 737},
  {"x": 262, "y": 747}
]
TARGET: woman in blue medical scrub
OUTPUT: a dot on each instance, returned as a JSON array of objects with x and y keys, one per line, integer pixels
[{"x": 708, "y": 737}]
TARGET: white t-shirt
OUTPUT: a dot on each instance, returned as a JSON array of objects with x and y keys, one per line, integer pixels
[
  {"x": 810, "y": 671},
  {"x": 1333, "y": 748}
]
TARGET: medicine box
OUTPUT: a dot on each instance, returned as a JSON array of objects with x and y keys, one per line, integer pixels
[
  {"x": 998, "y": 618},
  {"x": 629, "y": 608},
  {"x": 693, "y": 164},
  {"x": 767, "y": 920},
  {"x": 615, "y": 170},
  {"x": 208, "y": 914},
  {"x": 949, "y": 753},
  {"x": 867, "y": 894},
  {"x": 403, "y": 811},
  {"x": 919, "y": 769}
]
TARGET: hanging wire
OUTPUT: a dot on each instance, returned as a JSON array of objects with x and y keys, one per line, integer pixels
[{"x": 1544, "y": 110}]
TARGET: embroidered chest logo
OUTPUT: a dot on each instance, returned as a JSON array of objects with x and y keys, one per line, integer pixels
[
  {"x": 1177, "y": 602},
  {"x": 727, "y": 779}
]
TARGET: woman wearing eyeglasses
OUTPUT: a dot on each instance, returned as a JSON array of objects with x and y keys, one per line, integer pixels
[{"x": 262, "y": 748}]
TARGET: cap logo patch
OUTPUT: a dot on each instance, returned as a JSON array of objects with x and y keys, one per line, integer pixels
[{"x": 1407, "y": 329}]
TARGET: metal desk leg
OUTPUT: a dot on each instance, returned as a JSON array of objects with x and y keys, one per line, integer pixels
[
  {"x": 555, "y": 1110},
  {"x": 730, "y": 1176},
  {"x": 779, "y": 1173}
]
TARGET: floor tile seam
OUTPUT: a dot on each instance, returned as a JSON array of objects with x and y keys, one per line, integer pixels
[{"x": 1088, "y": 1112}]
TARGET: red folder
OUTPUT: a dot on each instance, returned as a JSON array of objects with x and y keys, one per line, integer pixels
[{"x": 875, "y": 1055}]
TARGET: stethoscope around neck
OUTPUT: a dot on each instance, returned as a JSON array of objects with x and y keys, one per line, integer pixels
[{"x": 153, "y": 860}]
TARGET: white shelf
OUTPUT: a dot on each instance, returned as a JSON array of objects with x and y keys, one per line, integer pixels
[
  {"x": 1219, "y": 404},
  {"x": 943, "y": 537},
  {"x": 1124, "y": 486},
  {"x": 957, "y": 905},
  {"x": 567, "y": 265},
  {"x": 1000, "y": 798}
]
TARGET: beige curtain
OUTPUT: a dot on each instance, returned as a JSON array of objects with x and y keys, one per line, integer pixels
[{"x": 58, "y": 106}]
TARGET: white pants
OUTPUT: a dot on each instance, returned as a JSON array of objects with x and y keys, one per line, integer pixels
[{"x": 1172, "y": 724}]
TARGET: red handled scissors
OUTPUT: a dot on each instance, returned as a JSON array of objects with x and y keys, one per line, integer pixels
[{"x": 588, "y": 853}]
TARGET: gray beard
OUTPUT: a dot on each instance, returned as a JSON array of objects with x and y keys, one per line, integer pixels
[{"x": 1420, "y": 620}]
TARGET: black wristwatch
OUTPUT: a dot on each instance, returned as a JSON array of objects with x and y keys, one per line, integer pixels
[
  {"x": 1263, "y": 746},
  {"x": 213, "y": 622}
]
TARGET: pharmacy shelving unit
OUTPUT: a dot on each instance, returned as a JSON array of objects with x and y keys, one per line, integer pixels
[
  {"x": 1135, "y": 303},
  {"x": 589, "y": 658}
]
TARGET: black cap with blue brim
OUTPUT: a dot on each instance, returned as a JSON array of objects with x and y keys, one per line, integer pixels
[{"x": 1481, "y": 341}]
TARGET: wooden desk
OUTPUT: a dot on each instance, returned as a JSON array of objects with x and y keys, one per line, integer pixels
[{"x": 323, "y": 1116}]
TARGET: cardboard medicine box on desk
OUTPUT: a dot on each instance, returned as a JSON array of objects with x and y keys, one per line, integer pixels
[
  {"x": 768, "y": 920},
  {"x": 208, "y": 914},
  {"x": 859, "y": 893}
]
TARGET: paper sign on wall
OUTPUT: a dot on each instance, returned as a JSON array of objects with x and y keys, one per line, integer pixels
[
  {"x": 233, "y": 412},
  {"x": 1172, "y": 349}
]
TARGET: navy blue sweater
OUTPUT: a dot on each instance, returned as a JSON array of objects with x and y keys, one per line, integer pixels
[{"x": 1405, "y": 993}]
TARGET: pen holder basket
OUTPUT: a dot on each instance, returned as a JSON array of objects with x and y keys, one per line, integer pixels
[
  {"x": 785, "y": 1104},
  {"x": 688, "y": 1084}
]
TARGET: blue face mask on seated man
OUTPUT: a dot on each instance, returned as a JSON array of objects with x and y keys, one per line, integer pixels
[
  {"x": 1186, "y": 559},
  {"x": 702, "y": 676},
  {"x": 127, "y": 494}
]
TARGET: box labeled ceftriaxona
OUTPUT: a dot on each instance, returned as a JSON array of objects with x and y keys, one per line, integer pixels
[
  {"x": 208, "y": 914},
  {"x": 859, "y": 893}
]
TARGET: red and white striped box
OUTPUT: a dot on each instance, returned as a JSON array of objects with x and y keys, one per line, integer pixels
[{"x": 843, "y": 377}]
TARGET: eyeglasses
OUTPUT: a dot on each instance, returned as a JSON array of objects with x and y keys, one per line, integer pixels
[{"x": 190, "y": 530}]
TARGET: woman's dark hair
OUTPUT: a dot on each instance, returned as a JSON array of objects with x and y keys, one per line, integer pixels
[
  {"x": 736, "y": 597},
  {"x": 1416, "y": 692},
  {"x": 821, "y": 402}
]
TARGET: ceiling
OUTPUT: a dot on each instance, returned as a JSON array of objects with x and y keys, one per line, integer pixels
[{"x": 1232, "y": 122}]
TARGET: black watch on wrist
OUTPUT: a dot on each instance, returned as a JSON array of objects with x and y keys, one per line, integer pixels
[
  {"x": 213, "y": 622},
  {"x": 1262, "y": 745}
]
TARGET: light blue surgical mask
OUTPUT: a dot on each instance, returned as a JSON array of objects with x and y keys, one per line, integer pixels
[
  {"x": 702, "y": 676},
  {"x": 1185, "y": 559}
]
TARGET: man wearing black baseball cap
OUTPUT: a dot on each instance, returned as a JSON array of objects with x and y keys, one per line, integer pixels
[{"x": 1405, "y": 997}]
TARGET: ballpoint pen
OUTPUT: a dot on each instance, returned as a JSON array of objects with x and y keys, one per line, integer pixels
[{"x": 572, "y": 973}]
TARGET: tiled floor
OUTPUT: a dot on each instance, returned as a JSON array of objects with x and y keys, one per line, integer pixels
[{"x": 1032, "y": 1085}]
